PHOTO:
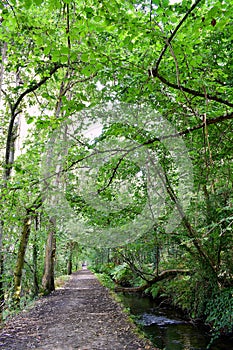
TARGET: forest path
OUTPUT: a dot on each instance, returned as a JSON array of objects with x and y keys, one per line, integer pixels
[{"x": 81, "y": 315}]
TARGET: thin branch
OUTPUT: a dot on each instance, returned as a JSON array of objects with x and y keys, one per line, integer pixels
[
  {"x": 134, "y": 268},
  {"x": 148, "y": 142},
  {"x": 151, "y": 8},
  {"x": 83, "y": 80},
  {"x": 113, "y": 174},
  {"x": 173, "y": 55},
  {"x": 7, "y": 98},
  {"x": 177, "y": 68},
  {"x": 215, "y": 98},
  {"x": 3, "y": 52},
  {"x": 218, "y": 224},
  {"x": 173, "y": 34},
  {"x": 12, "y": 9},
  {"x": 34, "y": 87},
  {"x": 189, "y": 130},
  {"x": 14, "y": 113},
  {"x": 68, "y": 31},
  {"x": 200, "y": 126}
]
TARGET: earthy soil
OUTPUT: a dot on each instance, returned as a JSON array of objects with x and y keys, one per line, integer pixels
[{"x": 81, "y": 315}]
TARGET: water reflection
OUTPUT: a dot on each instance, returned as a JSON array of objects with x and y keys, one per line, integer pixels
[{"x": 168, "y": 329}]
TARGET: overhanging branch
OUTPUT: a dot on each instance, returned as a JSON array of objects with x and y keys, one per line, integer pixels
[
  {"x": 210, "y": 97},
  {"x": 194, "y": 128},
  {"x": 161, "y": 276}
]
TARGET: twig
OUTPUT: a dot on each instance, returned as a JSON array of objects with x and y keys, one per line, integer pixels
[{"x": 174, "y": 33}]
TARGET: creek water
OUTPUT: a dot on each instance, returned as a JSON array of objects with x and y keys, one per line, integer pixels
[{"x": 168, "y": 329}]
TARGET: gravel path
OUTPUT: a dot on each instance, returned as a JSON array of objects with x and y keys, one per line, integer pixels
[{"x": 82, "y": 315}]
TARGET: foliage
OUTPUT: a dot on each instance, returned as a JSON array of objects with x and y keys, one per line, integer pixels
[
  {"x": 219, "y": 312},
  {"x": 60, "y": 59},
  {"x": 105, "y": 280},
  {"x": 123, "y": 275},
  {"x": 153, "y": 290}
]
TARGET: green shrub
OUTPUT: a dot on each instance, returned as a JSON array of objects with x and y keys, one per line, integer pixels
[
  {"x": 102, "y": 268},
  {"x": 219, "y": 312},
  {"x": 153, "y": 290},
  {"x": 105, "y": 280},
  {"x": 123, "y": 275}
]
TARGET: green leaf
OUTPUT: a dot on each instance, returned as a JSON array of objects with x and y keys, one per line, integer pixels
[
  {"x": 85, "y": 57},
  {"x": 30, "y": 120}
]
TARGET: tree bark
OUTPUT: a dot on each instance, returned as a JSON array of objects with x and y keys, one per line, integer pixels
[
  {"x": 20, "y": 257},
  {"x": 69, "y": 265},
  {"x": 35, "y": 257},
  {"x": 48, "y": 278},
  {"x": 70, "y": 256},
  {"x": 54, "y": 162},
  {"x": 8, "y": 163},
  {"x": 2, "y": 298},
  {"x": 23, "y": 247}
]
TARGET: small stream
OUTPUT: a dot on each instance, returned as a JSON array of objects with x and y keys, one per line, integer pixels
[{"x": 167, "y": 328}]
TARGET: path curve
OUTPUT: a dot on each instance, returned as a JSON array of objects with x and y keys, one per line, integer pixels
[{"x": 81, "y": 315}]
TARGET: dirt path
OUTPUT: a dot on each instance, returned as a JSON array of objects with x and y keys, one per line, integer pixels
[{"x": 80, "y": 316}]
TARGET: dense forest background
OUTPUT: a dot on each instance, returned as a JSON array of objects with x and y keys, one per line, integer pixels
[{"x": 116, "y": 149}]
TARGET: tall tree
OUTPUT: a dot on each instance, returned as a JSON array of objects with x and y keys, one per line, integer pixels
[{"x": 70, "y": 56}]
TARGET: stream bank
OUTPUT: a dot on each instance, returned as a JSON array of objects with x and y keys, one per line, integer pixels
[{"x": 168, "y": 329}]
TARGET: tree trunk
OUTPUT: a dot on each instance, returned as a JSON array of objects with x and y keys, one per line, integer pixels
[
  {"x": 2, "y": 299},
  {"x": 48, "y": 278},
  {"x": 20, "y": 257},
  {"x": 9, "y": 154},
  {"x": 54, "y": 165},
  {"x": 69, "y": 263},
  {"x": 35, "y": 256}
]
